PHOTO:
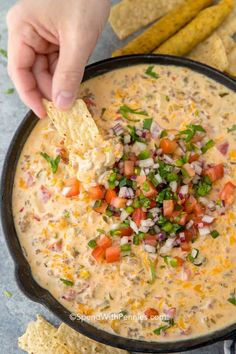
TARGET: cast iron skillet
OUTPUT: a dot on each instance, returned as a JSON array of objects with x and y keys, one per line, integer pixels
[{"x": 22, "y": 270}]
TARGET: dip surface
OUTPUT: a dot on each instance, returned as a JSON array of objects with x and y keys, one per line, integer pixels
[{"x": 54, "y": 231}]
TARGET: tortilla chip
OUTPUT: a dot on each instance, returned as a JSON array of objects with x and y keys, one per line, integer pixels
[
  {"x": 232, "y": 62},
  {"x": 39, "y": 338},
  {"x": 128, "y": 16},
  {"x": 227, "y": 30},
  {"x": 76, "y": 125},
  {"x": 163, "y": 29},
  {"x": 211, "y": 52},
  {"x": 200, "y": 28},
  {"x": 43, "y": 338},
  {"x": 79, "y": 344}
]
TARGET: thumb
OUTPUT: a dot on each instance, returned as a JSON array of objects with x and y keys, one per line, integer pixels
[{"x": 69, "y": 71}]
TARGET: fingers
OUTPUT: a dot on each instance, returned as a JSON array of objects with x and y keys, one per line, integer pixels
[
  {"x": 42, "y": 76},
  {"x": 73, "y": 57},
  {"x": 31, "y": 38},
  {"x": 19, "y": 67}
]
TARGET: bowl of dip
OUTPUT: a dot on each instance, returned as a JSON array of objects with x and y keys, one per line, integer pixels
[{"x": 52, "y": 237}]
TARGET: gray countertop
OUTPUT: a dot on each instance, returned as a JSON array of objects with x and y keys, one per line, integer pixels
[{"x": 17, "y": 311}]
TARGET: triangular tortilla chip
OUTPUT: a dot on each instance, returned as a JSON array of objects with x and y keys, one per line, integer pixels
[
  {"x": 76, "y": 125},
  {"x": 211, "y": 52}
]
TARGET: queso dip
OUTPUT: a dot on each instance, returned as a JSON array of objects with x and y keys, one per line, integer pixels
[{"x": 156, "y": 242}]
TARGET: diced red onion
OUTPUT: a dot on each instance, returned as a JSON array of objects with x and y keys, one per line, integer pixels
[
  {"x": 127, "y": 139},
  {"x": 134, "y": 226},
  {"x": 182, "y": 237},
  {"x": 133, "y": 178},
  {"x": 208, "y": 219},
  {"x": 158, "y": 178},
  {"x": 183, "y": 190},
  {"x": 124, "y": 240},
  {"x": 168, "y": 159},
  {"x": 155, "y": 129},
  {"x": 146, "y": 163},
  {"x": 173, "y": 186}
]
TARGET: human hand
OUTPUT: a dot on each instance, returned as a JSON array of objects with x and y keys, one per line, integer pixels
[{"x": 49, "y": 44}]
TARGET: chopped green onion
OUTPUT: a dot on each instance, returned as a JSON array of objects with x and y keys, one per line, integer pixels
[
  {"x": 136, "y": 240},
  {"x": 112, "y": 177},
  {"x": 215, "y": 233},
  {"x": 67, "y": 282},
  {"x": 167, "y": 227},
  {"x": 92, "y": 243},
  {"x": 115, "y": 232},
  {"x": 100, "y": 231},
  {"x": 136, "y": 203},
  {"x": 123, "y": 313},
  {"x": 163, "y": 134},
  {"x": 147, "y": 123},
  {"x": 144, "y": 155},
  {"x": 125, "y": 248},
  {"x": 149, "y": 71},
  {"x": 109, "y": 212},
  {"x": 129, "y": 209},
  {"x": 204, "y": 187},
  {"x": 208, "y": 146},
  {"x": 53, "y": 162},
  {"x": 193, "y": 255}
]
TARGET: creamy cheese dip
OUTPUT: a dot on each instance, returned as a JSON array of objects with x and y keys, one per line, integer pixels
[{"x": 54, "y": 230}]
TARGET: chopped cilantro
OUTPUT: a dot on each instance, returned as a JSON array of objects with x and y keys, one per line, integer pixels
[
  {"x": 204, "y": 187},
  {"x": 67, "y": 282},
  {"x": 125, "y": 110},
  {"x": 3, "y": 52},
  {"x": 151, "y": 73},
  {"x": 7, "y": 293},
  {"x": 232, "y": 129},
  {"x": 147, "y": 123},
  {"x": 208, "y": 146},
  {"x": 54, "y": 163},
  {"x": 9, "y": 91},
  {"x": 161, "y": 329}
]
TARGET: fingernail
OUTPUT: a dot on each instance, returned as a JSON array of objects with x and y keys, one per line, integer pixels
[{"x": 64, "y": 99}]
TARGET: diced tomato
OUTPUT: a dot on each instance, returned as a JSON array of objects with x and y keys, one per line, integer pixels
[
  {"x": 128, "y": 168},
  {"x": 181, "y": 218},
  {"x": 101, "y": 208},
  {"x": 227, "y": 193},
  {"x": 104, "y": 242},
  {"x": 190, "y": 204},
  {"x": 199, "y": 209},
  {"x": 126, "y": 231},
  {"x": 185, "y": 246},
  {"x": 148, "y": 189},
  {"x": 72, "y": 188},
  {"x": 110, "y": 194},
  {"x": 140, "y": 180},
  {"x": 180, "y": 261},
  {"x": 150, "y": 313},
  {"x": 189, "y": 235},
  {"x": 168, "y": 207},
  {"x": 190, "y": 171},
  {"x": 98, "y": 253},
  {"x": 133, "y": 157},
  {"x": 168, "y": 146},
  {"x": 96, "y": 193},
  {"x": 193, "y": 157},
  {"x": 150, "y": 240},
  {"x": 138, "y": 215},
  {"x": 113, "y": 254},
  {"x": 153, "y": 203},
  {"x": 214, "y": 173},
  {"x": 118, "y": 202}
]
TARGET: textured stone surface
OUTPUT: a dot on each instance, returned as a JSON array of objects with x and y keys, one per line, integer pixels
[{"x": 17, "y": 311}]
